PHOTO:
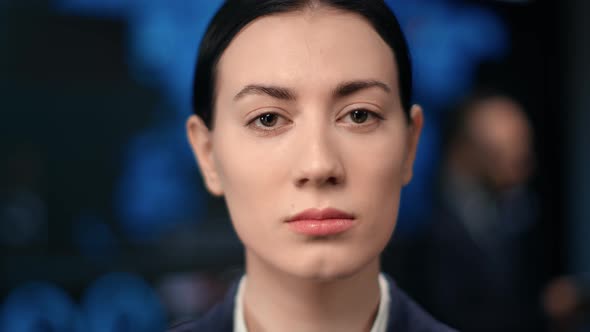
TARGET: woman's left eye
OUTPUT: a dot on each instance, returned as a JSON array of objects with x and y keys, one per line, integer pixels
[{"x": 362, "y": 116}]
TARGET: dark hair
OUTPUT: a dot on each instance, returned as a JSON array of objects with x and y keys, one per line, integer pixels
[{"x": 236, "y": 14}]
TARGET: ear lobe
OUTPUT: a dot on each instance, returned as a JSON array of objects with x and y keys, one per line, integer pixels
[
  {"x": 201, "y": 142},
  {"x": 415, "y": 128}
]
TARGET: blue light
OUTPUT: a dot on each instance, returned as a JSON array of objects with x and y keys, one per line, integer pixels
[{"x": 39, "y": 306}]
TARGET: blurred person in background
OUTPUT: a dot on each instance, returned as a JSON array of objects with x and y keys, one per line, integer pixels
[
  {"x": 566, "y": 301},
  {"x": 481, "y": 259}
]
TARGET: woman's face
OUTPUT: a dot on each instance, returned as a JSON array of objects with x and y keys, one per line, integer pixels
[{"x": 308, "y": 116}]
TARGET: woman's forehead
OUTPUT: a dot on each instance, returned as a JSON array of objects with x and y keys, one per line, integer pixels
[{"x": 308, "y": 49}]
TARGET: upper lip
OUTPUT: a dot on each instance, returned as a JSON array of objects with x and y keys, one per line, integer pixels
[{"x": 321, "y": 214}]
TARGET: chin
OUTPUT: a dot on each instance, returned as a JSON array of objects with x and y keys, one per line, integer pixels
[{"x": 322, "y": 266}]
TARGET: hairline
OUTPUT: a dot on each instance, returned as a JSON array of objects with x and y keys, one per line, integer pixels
[{"x": 309, "y": 6}]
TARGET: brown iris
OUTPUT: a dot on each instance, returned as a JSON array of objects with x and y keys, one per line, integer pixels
[{"x": 359, "y": 116}]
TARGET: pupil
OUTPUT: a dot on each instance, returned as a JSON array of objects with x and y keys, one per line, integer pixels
[
  {"x": 359, "y": 116},
  {"x": 268, "y": 120}
]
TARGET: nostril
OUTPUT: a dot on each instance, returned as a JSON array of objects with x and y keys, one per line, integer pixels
[
  {"x": 302, "y": 182},
  {"x": 332, "y": 180}
]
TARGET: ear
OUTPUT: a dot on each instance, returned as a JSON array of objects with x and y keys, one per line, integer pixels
[
  {"x": 414, "y": 130},
  {"x": 200, "y": 139}
]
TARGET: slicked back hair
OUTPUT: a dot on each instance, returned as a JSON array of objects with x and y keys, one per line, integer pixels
[{"x": 234, "y": 15}]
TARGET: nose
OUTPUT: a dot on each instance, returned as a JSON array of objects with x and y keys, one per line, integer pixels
[{"x": 319, "y": 164}]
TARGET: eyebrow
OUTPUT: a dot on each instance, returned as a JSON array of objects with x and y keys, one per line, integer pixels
[
  {"x": 273, "y": 91},
  {"x": 348, "y": 88},
  {"x": 342, "y": 90}
]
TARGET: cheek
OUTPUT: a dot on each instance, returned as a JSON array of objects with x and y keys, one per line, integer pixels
[
  {"x": 377, "y": 166},
  {"x": 376, "y": 180},
  {"x": 245, "y": 164},
  {"x": 252, "y": 175}
]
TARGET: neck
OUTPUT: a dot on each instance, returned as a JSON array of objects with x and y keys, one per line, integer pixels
[{"x": 277, "y": 301}]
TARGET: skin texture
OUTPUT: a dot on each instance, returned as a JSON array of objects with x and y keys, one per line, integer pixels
[{"x": 313, "y": 156}]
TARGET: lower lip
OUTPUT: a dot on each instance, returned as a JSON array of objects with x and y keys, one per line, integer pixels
[{"x": 322, "y": 227}]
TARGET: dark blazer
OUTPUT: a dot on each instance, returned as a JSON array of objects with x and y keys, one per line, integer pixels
[{"x": 404, "y": 316}]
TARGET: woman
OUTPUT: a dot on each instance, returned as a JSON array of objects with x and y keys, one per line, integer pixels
[{"x": 304, "y": 124}]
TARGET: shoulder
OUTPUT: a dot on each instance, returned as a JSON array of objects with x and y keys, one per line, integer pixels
[
  {"x": 407, "y": 315},
  {"x": 218, "y": 319}
]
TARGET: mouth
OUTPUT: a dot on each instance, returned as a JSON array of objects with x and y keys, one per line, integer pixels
[{"x": 324, "y": 222}]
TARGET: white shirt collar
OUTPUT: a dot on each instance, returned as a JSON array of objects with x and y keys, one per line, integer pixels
[
  {"x": 239, "y": 320},
  {"x": 380, "y": 324}
]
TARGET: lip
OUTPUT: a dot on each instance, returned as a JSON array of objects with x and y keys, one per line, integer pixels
[{"x": 321, "y": 222}]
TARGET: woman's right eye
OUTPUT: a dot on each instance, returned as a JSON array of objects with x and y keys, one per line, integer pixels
[{"x": 268, "y": 121}]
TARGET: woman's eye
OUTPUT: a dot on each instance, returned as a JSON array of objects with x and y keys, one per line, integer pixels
[
  {"x": 359, "y": 116},
  {"x": 268, "y": 119},
  {"x": 268, "y": 122},
  {"x": 362, "y": 116}
]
